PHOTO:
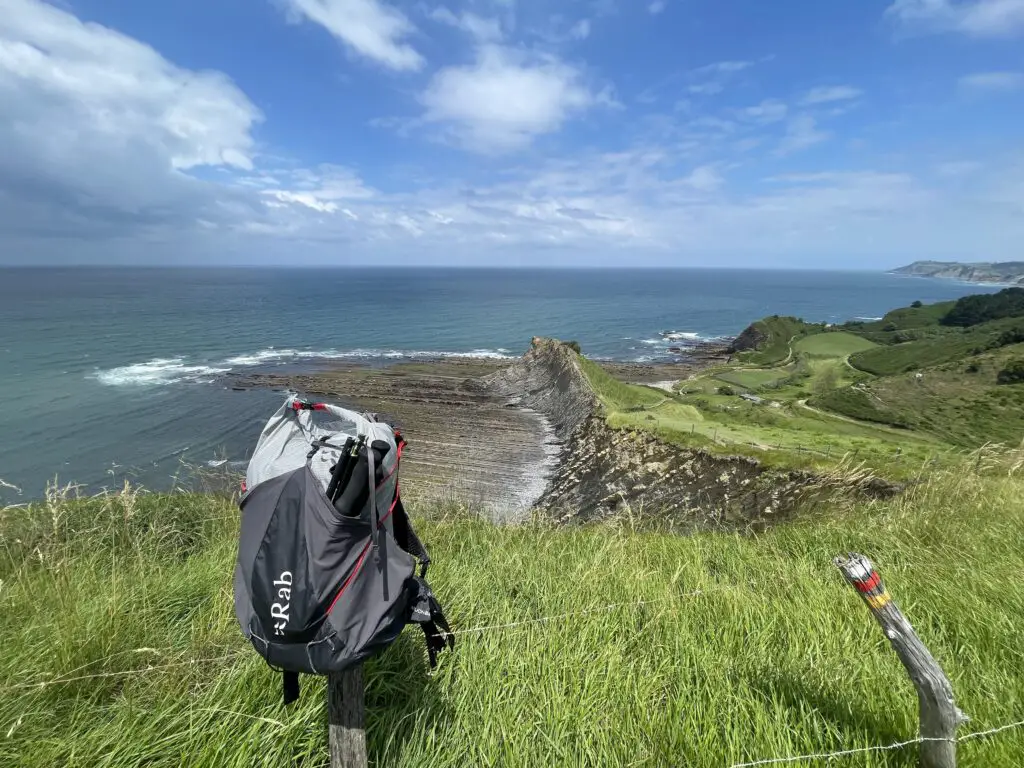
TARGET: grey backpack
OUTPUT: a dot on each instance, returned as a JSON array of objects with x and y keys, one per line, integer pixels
[{"x": 326, "y": 570}]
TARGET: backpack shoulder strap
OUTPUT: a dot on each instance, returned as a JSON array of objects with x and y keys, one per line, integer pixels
[
  {"x": 406, "y": 536},
  {"x": 426, "y": 612}
]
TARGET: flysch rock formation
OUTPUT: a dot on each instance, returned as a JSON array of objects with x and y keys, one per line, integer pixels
[
  {"x": 602, "y": 472},
  {"x": 511, "y": 436}
]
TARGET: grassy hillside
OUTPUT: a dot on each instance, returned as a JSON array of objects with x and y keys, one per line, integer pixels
[
  {"x": 949, "y": 345},
  {"x": 833, "y": 344},
  {"x": 776, "y": 333},
  {"x": 781, "y": 429},
  {"x": 854, "y": 390},
  {"x": 746, "y": 648},
  {"x": 907, "y": 320},
  {"x": 960, "y": 402}
]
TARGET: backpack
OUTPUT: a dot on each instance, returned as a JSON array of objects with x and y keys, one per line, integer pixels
[{"x": 326, "y": 569}]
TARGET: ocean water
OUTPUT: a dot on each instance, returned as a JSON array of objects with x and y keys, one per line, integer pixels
[{"x": 114, "y": 373}]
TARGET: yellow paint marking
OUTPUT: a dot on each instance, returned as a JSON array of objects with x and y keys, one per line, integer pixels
[{"x": 878, "y": 601}]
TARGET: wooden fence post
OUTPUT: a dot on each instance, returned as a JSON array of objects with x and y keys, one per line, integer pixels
[
  {"x": 345, "y": 716},
  {"x": 939, "y": 715}
]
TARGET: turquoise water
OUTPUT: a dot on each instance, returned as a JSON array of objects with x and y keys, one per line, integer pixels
[{"x": 109, "y": 373}]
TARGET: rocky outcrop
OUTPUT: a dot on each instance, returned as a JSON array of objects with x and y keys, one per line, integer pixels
[
  {"x": 603, "y": 472},
  {"x": 753, "y": 337}
]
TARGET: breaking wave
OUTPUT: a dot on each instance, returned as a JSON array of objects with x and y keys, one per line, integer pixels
[
  {"x": 160, "y": 370},
  {"x": 173, "y": 370}
]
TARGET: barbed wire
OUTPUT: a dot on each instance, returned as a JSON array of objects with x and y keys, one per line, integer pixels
[{"x": 883, "y": 748}]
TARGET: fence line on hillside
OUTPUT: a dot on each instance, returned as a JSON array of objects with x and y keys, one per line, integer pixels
[{"x": 453, "y": 633}]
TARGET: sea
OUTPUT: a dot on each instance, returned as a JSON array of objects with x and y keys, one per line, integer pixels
[{"x": 108, "y": 374}]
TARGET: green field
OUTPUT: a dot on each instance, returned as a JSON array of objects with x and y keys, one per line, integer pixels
[
  {"x": 960, "y": 403},
  {"x": 950, "y": 345},
  {"x": 125, "y": 651},
  {"x": 832, "y": 344},
  {"x": 851, "y": 390},
  {"x": 752, "y": 379}
]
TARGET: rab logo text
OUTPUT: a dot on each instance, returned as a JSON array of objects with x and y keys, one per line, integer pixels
[{"x": 279, "y": 611}]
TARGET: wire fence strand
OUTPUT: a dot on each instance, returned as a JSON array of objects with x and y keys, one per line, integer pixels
[
  {"x": 572, "y": 614},
  {"x": 883, "y": 748},
  {"x": 511, "y": 625},
  {"x": 119, "y": 673}
]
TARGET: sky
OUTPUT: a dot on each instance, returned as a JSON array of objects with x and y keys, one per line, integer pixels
[{"x": 853, "y": 134}]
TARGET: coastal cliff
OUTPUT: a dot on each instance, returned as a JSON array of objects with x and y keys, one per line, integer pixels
[
  {"x": 603, "y": 471},
  {"x": 1006, "y": 272}
]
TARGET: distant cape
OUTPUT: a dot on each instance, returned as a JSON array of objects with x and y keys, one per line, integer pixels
[{"x": 1006, "y": 272}]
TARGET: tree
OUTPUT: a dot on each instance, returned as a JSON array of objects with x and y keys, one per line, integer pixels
[
  {"x": 917, "y": 305},
  {"x": 1013, "y": 373},
  {"x": 981, "y": 308}
]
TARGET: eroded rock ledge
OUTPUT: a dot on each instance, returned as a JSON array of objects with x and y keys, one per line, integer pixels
[{"x": 603, "y": 472}]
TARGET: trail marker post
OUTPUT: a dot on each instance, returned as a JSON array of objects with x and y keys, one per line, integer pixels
[
  {"x": 939, "y": 715},
  {"x": 346, "y": 716}
]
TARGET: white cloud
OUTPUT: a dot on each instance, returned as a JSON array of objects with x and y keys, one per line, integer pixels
[
  {"x": 722, "y": 67},
  {"x": 580, "y": 30},
  {"x": 106, "y": 126},
  {"x": 714, "y": 76},
  {"x": 768, "y": 111},
  {"x": 369, "y": 28},
  {"x": 829, "y": 94},
  {"x": 704, "y": 178},
  {"x": 709, "y": 88},
  {"x": 486, "y": 30},
  {"x": 506, "y": 98},
  {"x": 801, "y": 132},
  {"x": 319, "y": 189},
  {"x": 957, "y": 168},
  {"x": 977, "y": 18},
  {"x": 989, "y": 82},
  {"x": 656, "y": 7}
]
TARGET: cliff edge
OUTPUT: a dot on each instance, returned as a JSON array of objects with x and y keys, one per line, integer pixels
[{"x": 601, "y": 472}]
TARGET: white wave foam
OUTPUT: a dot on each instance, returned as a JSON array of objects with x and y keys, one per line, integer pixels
[
  {"x": 679, "y": 336},
  {"x": 159, "y": 371},
  {"x": 171, "y": 370},
  {"x": 868, "y": 319},
  {"x": 274, "y": 355}
]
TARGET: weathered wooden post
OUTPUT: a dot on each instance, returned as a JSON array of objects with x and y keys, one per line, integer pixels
[
  {"x": 345, "y": 715},
  {"x": 939, "y": 715}
]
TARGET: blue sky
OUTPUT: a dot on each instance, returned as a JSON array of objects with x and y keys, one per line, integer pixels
[{"x": 842, "y": 134}]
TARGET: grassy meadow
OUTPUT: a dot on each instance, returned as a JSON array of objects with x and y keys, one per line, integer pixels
[
  {"x": 910, "y": 390},
  {"x": 121, "y": 647}
]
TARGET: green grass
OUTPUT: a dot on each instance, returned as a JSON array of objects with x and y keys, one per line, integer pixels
[
  {"x": 778, "y": 332},
  {"x": 959, "y": 403},
  {"x": 949, "y": 345},
  {"x": 617, "y": 394},
  {"x": 904, "y": 319},
  {"x": 752, "y": 379},
  {"x": 832, "y": 344},
  {"x": 774, "y": 656},
  {"x": 779, "y": 432}
]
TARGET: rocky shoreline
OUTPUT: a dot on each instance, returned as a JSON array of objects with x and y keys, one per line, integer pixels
[{"x": 468, "y": 436}]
